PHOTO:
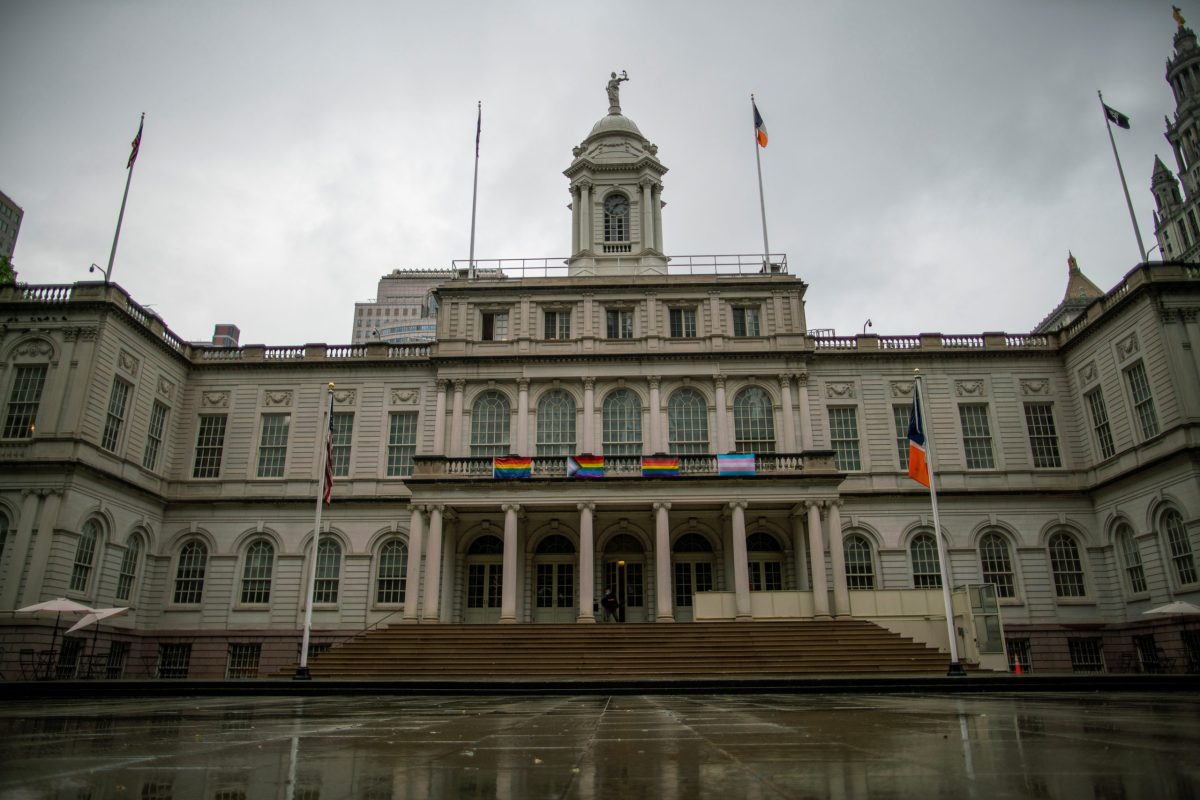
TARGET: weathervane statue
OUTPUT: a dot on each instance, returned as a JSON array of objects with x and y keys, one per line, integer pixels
[{"x": 614, "y": 92}]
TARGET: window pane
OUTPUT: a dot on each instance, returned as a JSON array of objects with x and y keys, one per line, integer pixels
[
  {"x": 860, "y": 566},
  {"x": 843, "y": 437},
  {"x": 189, "y": 574},
  {"x": 619, "y": 324},
  {"x": 687, "y": 423},
  {"x": 1143, "y": 401},
  {"x": 1066, "y": 566},
  {"x": 556, "y": 424},
  {"x": 977, "y": 436},
  {"x": 272, "y": 445},
  {"x": 129, "y": 565},
  {"x": 900, "y": 416},
  {"x": 23, "y": 402},
  {"x": 85, "y": 554},
  {"x": 925, "y": 564},
  {"x": 1182, "y": 560},
  {"x": 683, "y": 322},
  {"x": 746, "y": 321},
  {"x": 490, "y": 416},
  {"x": 115, "y": 418},
  {"x": 210, "y": 442},
  {"x": 343, "y": 431},
  {"x": 402, "y": 444},
  {"x": 329, "y": 570},
  {"x": 622, "y": 414},
  {"x": 154, "y": 435},
  {"x": 1135, "y": 576},
  {"x": 256, "y": 573},
  {"x": 390, "y": 576},
  {"x": 1100, "y": 424},
  {"x": 997, "y": 566},
  {"x": 753, "y": 421}
]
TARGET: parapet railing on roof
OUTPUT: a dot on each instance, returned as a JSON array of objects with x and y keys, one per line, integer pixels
[{"x": 725, "y": 264}]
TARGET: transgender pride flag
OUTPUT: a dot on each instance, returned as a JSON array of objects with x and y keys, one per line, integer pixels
[{"x": 734, "y": 464}]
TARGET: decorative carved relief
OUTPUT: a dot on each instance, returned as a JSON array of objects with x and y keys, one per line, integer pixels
[
  {"x": 165, "y": 388},
  {"x": 903, "y": 389},
  {"x": 840, "y": 390},
  {"x": 345, "y": 397},
  {"x": 1128, "y": 346},
  {"x": 281, "y": 398},
  {"x": 127, "y": 362},
  {"x": 34, "y": 348},
  {"x": 1035, "y": 386},
  {"x": 802, "y": 378},
  {"x": 1087, "y": 373},
  {"x": 404, "y": 396},
  {"x": 214, "y": 400},
  {"x": 973, "y": 388}
]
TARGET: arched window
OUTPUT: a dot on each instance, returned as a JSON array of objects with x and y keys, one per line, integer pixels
[
  {"x": 486, "y": 546},
  {"x": 1066, "y": 566},
  {"x": 490, "y": 416},
  {"x": 997, "y": 564},
  {"x": 692, "y": 543},
  {"x": 616, "y": 218},
  {"x": 622, "y": 424},
  {"x": 1135, "y": 576},
  {"x": 1183, "y": 563},
  {"x": 687, "y": 423},
  {"x": 189, "y": 573},
  {"x": 556, "y": 424},
  {"x": 753, "y": 421},
  {"x": 85, "y": 556},
  {"x": 765, "y": 557},
  {"x": 390, "y": 573},
  {"x": 256, "y": 572},
  {"x": 926, "y": 568},
  {"x": 555, "y": 545},
  {"x": 129, "y": 567},
  {"x": 860, "y": 563},
  {"x": 329, "y": 571}
]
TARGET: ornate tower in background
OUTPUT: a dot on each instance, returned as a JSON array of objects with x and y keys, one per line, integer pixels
[{"x": 1176, "y": 222}]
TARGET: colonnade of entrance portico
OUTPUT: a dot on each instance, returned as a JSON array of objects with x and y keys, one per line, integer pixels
[{"x": 435, "y": 576}]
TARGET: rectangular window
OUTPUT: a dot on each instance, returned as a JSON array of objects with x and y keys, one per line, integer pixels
[
  {"x": 558, "y": 325},
  {"x": 173, "y": 660},
  {"x": 114, "y": 665},
  {"x": 1018, "y": 649},
  {"x": 1100, "y": 428},
  {"x": 154, "y": 435},
  {"x": 900, "y": 416},
  {"x": 210, "y": 443},
  {"x": 1043, "y": 436},
  {"x": 242, "y": 661},
  {"x": 402, "y": 444},
  {"x": 619, "y": 324},
  {"x": 843, "y": 436},
  {"x": 272, "y": 445},
  {"x": 23, "y": 402},
  {"x": 343, "y": 430},
  {"x": 746, "y": 321},
  {"x": 683, "y": 323},
  {"x": 1087, "y": 655},
  {"x": 115, "y": 419},
  {"x": 977, "y": 436},
  {"x": 1143, "y": 401},
  {"x": 495, "y": 326}
]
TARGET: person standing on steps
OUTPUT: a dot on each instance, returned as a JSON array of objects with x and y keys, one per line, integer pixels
[{"x": 611, "y": 606}]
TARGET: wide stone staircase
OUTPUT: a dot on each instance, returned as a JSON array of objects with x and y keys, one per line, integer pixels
[{"x": 423, "y": 652}]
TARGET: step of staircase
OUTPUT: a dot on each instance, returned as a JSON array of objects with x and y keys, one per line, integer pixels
[{"x": 419, "y": 652}]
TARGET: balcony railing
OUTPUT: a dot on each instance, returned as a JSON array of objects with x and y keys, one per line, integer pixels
[
  {"x": 722, "y": 265},
  {"x": 615, "y": 467}
]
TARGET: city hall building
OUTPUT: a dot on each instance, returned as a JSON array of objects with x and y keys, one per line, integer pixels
[{"x": 568, "y": 431}]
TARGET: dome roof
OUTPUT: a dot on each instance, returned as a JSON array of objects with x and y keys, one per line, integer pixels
[{"x": 615, "y": 123}]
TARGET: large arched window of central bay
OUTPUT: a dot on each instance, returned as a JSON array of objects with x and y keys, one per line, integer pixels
[
  {"x": 85, "y": 556},
  {"x": 390, "y": 573},
  {"x": 1179, "y": 548},
  {"x": 996, "y": 560},
  {"x": 257, "y": 568},
  {"x": 556, "y": 424},
  {"x": 860, "y": 562},
  {"x": 490, "y": 417},
  {"x": 765, "y": 562},
  {"x": 926, "y": 567},
  {"x": 1131, "y": 558},
  {"x": 189, "y": 573},
  {"x": 753, "y": 421},
  {"x": 130, "y": 564},
  {"x": 687, "y": 423},
  {"x": 622, "y": 424},
  {"x": 1066, "y": 565},
  {"x": 329, "y": 572}
]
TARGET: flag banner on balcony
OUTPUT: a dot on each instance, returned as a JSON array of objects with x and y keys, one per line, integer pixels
[
  {"x": 587, "y": 466},
  {"x": 660, "y": 466},
  {"x": 512, "y": 467},
  {"x": 734, "y": 464}
]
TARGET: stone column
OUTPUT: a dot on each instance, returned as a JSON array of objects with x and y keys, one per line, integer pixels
[
  {"x": 585, "y": 215},
  {"x": 789, "y": 414},
  {"x": 647, "y": 213},
  {"x": 576, "y": 206},
  {"x": 805, "y": 425},
  {"x": 19, "y": 542},
  {"x": 47, "y": 522},
  {"x": 449, "y": 565},
  {"x": 508, "y": 596},
  {"x": 456, "y": 422},
  {"x": 816, "y": 550},
  {"x": 587, "y": 566},
  {"x": 656, "y": 443},
  {"x": 412, "y": 571},
  {"x": 522, "y": 446},
  {"x": 741, "y": 562},
  {"x": 720, "y": 422},
  {"x": 837, "y": 556},
  {"x": 439, "y": 420},
  {"x": 433, "y": 565},
  {"x": 658, "y": 239},
  {"x": 589, "y": 415},
  {"x": 800, "y": 547},
  {"x": 662, "y": 563}
]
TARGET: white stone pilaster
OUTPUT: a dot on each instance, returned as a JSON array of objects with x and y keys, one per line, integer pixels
[
  {"x": 720, "y": 423},
  {"x": 508, "y": 593},
  {"x": 439, "y": 420},
  {"x": 457, "y": 422},
  {"x": 816, "y": 549},
  {"x": 837, "y": 558},
  {"x": 433, "y": 566},
  {"x": 587, "y": 567},
  {"x": 789, "y": 414},
  {"x": 522, "y": 445},
  {"x": 741, "y": 562},
  {"x": 664, "y": 611},
  {"x": 412, "y": 571},
  {"x": 656, "y": 439},
  {"x": 589, "y": 415}
]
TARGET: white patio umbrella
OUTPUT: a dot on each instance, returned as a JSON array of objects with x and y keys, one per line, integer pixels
[
  {"x": 92, "y": 618},
  {"x": 59, "y": 606},
  {"x": 1177, "y": 607}
]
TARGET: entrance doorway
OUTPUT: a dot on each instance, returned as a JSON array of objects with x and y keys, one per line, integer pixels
[
  {"x": 485, "y": 580},
  {"x": 625, "y": 576},
  {"x": 693, "y": 572},
  {"x": 554, "y": 580}
]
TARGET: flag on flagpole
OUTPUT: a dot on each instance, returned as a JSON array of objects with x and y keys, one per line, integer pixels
[
  {"x": 512, "y": 467},
  {"x": 734, "y": 464},
  {"x": 760, "y": 127},
  {"x": 918, "y": 467},
  {"x": 1116, "y": 117},
  {"x": 585, "y": 466},
  {"x": 137, "y": 143},
  {"x": 328, "y": 491},
  {"x": 478, "y": 128}
]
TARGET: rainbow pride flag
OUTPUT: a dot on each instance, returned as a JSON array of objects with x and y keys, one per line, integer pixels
[
  {"x": 660, "y": 466},
  {"x": 734, "y": 464},
  {"x": 512, "y": 467},
  {"x": 586, "y": 466}
]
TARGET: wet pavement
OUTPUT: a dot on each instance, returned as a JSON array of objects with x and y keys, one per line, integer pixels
[{"x": 1062, "y": 745}]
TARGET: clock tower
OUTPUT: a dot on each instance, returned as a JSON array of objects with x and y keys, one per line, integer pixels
[
  {"x": 1176, "y": 219},
  {"x": 616, "y": 198}
]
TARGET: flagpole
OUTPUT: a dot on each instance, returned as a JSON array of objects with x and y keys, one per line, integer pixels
[
  {"x": 1121, "y": 172},
  {"x": 302, "y": 670},
  {"x": 475, "y": 187},
  {"x": 112, "y": 256},
  {"x": 956, "y": 668},
  {"x": 762, "y": 205}
]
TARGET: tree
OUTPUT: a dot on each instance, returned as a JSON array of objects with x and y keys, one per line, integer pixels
[{"x": 7, "y": 273}]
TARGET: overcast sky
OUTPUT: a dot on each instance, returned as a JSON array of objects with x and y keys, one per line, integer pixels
[{"x": 931, "y": 162}]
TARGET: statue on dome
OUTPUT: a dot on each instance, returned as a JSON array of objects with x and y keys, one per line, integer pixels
[{"x": 614, "y": 91}]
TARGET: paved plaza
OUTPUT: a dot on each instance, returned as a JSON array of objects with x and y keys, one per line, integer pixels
[{"x": 1061, "y": 745}]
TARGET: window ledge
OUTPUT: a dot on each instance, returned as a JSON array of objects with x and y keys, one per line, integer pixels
[{"x": 1074, "y": 601}]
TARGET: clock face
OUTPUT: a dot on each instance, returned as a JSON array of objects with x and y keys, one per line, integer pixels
[{"x": 616, "y": 205}]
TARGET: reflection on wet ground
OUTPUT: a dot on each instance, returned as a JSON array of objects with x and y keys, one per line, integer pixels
[{"x": 653, "y": 746}]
